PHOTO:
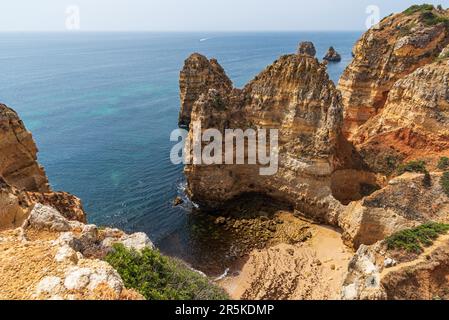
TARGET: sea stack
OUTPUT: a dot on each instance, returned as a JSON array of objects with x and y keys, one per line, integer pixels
[
  {"x": 332, "y": 55},
  {"x": 295, "y": 96},
  {"x": 403, "y": 43}
]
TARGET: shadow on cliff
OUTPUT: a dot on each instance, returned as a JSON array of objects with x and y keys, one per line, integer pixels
[{"x": 352, "y": 179}]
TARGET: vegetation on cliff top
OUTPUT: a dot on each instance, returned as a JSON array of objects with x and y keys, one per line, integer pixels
[
  {"x": 158, "y": 277},
  {"x": 428, "y": 16},
  {"x": 413, "y": 240},
  {"x": 419, "y": 8}
]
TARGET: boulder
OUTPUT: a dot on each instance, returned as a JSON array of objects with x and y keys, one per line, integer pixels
[{"x": 43, "y": 217}]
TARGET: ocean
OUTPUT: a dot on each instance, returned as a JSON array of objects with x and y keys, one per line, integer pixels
[{"x": 101, "y": 107}]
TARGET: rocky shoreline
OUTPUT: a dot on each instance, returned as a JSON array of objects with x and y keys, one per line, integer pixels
[
  {"x": 362, "y": 157},
  {"x": 357, "y": 210}
]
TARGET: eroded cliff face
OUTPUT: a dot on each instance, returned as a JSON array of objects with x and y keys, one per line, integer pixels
[
  {"x": 197, "y": 77},
  {"x": 18, "y": 154},
  {"x": 23, "y": 182},
  {"x": 396, "y": 110},
  {"x": 378, "y": 273},
  {"x": 396, "y": 103},
  {"x": 293, "y": 95},
  {"x": 46, "y": 249},
  {"x": 401, "y": 44},
  {"x": 413, "y": 125},
  {"x": 405, "y": 202},
  {"x": 414, "y": 122}
]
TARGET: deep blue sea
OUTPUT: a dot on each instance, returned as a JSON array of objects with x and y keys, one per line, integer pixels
[{"x": 101, "y": 107}]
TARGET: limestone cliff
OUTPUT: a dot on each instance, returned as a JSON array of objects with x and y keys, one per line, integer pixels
[
  {"x": 413, "y": 125},
  {"x": 23, "y": 182},
  {"x": 404, "y": 203},
  {"x": 18, "y": 154},
  {"x": 399, "y": 45},
  {"x": 414, "y": 122},
  {"x": 378, "y": 273},
  {"x": 294, "y": 95},
  {"x": 197, "y": 76},
  {"x": 46, "y": 249},
  {"x": 395, "y": 99}
]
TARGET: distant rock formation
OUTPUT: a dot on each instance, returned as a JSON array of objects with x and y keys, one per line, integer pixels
[
  {"x": 403, "y": 43},
  {"x": 332, "y": 55},
  {"x": 307, "y": 48}
]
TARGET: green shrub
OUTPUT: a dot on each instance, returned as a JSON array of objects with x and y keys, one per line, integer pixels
[
  {"x": 419, "y": 8},
  {"x": 444, "y": 181},
  {"x": 413, "y": 240},
  {"x": 431, "y": 19},
  {"x": 413, "y": 166},
  {"x": 158, "y": 277},
  {"x": 427, "y": 14},
  {"x": 443, "y": 164}
]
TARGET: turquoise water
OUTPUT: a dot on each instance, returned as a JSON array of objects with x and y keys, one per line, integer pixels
[{"x": 101, "y": 107}]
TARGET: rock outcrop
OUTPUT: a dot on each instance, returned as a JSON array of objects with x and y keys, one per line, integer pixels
[
  {"x": 385, "y": 54},
  {"x": 46, "y": 249},
  {"x": 414, "y": 123},
  {"x": 405, "y": 202},
  {"x": 196, "y": 78},
  {"x": 16, "y": 205},
  {"x": 332, "y": 55},
  {"x": 51, "y": 257},
  {"x": 378, "y": 273},
  {"x": 23, "y": 182},
  {"x": 293, "y": 95},
  {"x": 395, "y": 98},
  {"x": 18, "y": 154}
]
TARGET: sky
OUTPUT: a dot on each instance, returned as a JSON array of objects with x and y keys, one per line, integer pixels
[{"x": 196, "y": 15}]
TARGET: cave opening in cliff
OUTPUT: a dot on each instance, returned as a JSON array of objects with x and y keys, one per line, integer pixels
[
  {"x": 253, "y": 205},
  {"x": 353, "y": 185}
]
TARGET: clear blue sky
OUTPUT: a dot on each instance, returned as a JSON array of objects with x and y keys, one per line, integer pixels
[{"x": 196, "y": 15}]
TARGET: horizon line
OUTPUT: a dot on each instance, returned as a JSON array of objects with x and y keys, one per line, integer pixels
[{"x": 173, "y": 31}]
